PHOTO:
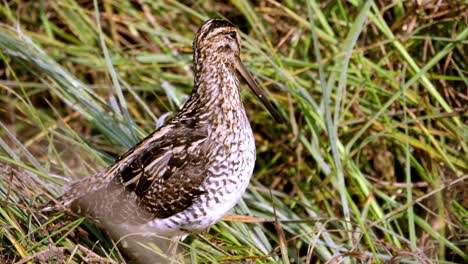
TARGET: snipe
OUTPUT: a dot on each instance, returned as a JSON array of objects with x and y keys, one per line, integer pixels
[{"x": 188, "y": 174}]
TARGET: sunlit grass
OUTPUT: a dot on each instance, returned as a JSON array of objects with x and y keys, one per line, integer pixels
[{"x": 371, "y": 165}]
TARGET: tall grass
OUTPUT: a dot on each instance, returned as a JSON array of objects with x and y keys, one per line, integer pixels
[{"x": 371, "y": 166}]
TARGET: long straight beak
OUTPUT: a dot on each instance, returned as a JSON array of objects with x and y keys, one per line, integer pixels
[{"x": 244, "y": 73}]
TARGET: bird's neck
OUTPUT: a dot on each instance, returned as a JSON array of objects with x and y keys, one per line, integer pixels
[{"x": 216, "y": 94}]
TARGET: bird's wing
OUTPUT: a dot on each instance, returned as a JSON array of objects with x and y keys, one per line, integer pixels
[
  {"x": 161, "y": 175},
  {"x": 167, "y": 178}
]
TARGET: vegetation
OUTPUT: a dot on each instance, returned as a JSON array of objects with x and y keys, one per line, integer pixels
[{"x": 371, "y": 166}]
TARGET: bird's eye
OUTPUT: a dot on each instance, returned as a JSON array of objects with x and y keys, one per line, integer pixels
[{"x": 233, "y": 34}]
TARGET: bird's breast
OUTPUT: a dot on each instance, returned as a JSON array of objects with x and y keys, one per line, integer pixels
[{"x": 232, "y": 157}]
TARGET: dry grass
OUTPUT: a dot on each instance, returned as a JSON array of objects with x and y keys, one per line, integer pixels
[{"x": 371, "y": 166}]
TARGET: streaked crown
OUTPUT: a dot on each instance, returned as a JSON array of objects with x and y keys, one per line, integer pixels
[{"x": 216, "y": 37}]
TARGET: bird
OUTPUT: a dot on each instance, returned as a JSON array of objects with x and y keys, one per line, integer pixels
[{"x": 185, "y": 176}]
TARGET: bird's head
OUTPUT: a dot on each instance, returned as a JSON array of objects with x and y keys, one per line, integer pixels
[
  {"x": 218, "y": 42},
  {"x": 217, "y": 38}
]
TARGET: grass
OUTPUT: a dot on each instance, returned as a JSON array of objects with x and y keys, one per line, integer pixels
[{"x": 371, "y": 166}]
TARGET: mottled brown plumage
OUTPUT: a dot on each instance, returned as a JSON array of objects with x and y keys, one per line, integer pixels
[{"x": 186, "y": 175}]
